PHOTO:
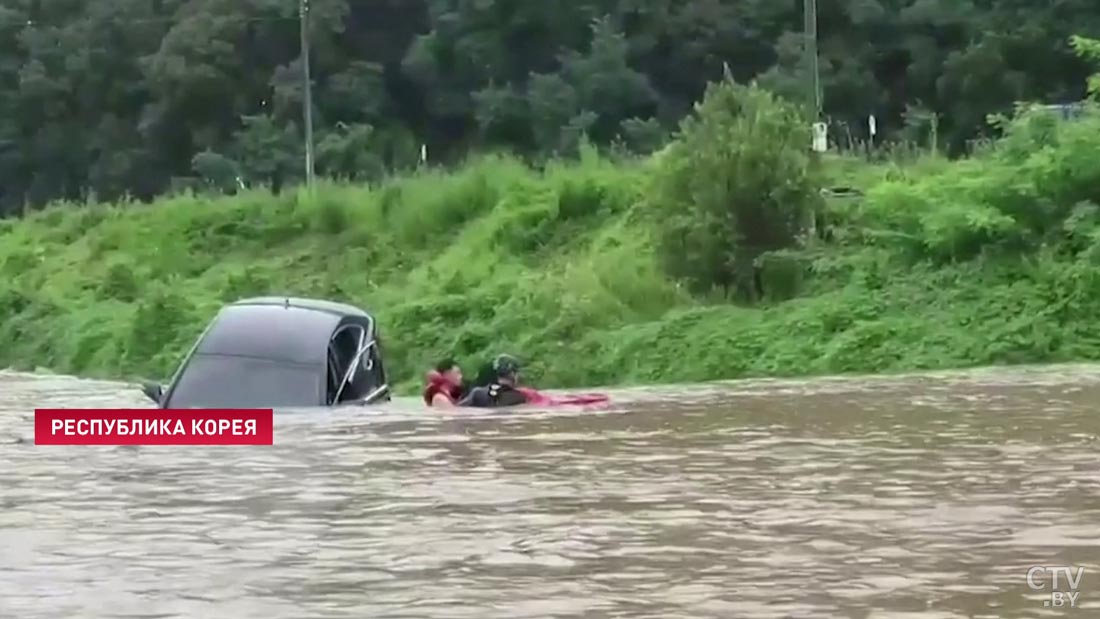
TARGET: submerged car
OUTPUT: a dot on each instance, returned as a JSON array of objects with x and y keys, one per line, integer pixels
[{"x": 275, "y": 352}]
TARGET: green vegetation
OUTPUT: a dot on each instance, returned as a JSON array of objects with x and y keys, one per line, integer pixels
[
  {"x": 735, "y": 186},
  {"x": 575, "y": 266},
  {"x": 100, "y": 99},
  {"x": 1089, "y": 49}
]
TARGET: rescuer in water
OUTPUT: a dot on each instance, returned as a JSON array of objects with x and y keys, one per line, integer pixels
[
  {"x": 444, "y": 386},
  {"x": 496, "y": 385},
  {"x": 502, "y": 388}
]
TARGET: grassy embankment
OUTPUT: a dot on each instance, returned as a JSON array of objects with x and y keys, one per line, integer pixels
[{"x": 984, "y": 261}]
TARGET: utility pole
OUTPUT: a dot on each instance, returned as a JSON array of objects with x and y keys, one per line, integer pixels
[
  {"x": 307, "y": 89},
  {"x": 819, "y": 130},
  {"x": 810, "y": 29}
]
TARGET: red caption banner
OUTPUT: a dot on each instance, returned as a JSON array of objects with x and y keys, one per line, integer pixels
[{"x": 119, "y": 426}]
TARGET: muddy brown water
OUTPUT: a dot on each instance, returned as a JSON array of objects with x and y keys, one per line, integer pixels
[{"x": 920, "y": 497}]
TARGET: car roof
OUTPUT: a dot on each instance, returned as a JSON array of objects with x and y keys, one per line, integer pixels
[
  {"x": 278, "y": 329},
  {"x": 319, "y": 305}
]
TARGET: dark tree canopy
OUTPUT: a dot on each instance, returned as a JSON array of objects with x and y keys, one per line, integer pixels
[{"x": 109, "y": 98}]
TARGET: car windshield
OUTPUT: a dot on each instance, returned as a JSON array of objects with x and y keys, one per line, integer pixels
[{"x": 215, "y": 381}]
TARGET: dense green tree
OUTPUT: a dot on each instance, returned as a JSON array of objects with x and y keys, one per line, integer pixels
[{"x": 117, "y": 97}]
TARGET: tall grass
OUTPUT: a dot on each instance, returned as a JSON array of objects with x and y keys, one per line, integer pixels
[{"x": 938, "y": 264}]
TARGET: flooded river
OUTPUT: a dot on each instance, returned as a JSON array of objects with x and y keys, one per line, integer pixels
[{"x": 923, "y": 497}]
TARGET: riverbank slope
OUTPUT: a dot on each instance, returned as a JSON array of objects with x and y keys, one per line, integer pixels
[{"x": 937, "y": 265}]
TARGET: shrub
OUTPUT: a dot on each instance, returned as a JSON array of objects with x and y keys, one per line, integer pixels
[
  {"x": 736, "y": 183},
  {"x": 1089, "y": 49},
  {"x": 1014, "y": 197}
]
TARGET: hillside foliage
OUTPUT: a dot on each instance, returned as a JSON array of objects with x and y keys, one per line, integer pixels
[{"x": 105, "y": 99}]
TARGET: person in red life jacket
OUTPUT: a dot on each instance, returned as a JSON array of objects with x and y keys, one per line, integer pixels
[
  {"x": 444, "y": 386},
  {"x": 503, "y": 389}
]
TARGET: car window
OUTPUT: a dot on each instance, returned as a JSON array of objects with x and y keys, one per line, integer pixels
[
  {"x": 215, "y": 381},
  {"x": 343, "y": 350}
]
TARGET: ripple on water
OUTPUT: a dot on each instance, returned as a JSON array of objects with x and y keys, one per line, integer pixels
[{"x": 919, "y": 497}]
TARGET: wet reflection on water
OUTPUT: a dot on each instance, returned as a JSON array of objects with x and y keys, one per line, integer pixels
[{"x": 915, "y": 498}]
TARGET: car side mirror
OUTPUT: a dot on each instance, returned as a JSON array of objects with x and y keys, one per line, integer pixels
[{"x": 153, "y": 391}]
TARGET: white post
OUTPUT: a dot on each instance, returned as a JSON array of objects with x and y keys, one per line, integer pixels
[{"x": 821, "y": 137}]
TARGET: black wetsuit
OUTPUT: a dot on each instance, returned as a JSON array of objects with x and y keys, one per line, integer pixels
[{"x": 493, "y": 396}]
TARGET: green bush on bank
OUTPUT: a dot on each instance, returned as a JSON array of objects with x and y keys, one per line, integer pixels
[
  {"x": 1013, "y": 198},
  {"x": 990, "y": 260},
  {"x": 736, "y": 184}
]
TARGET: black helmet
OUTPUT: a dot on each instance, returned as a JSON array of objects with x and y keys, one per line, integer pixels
[{"x": 505, "y": 365}]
